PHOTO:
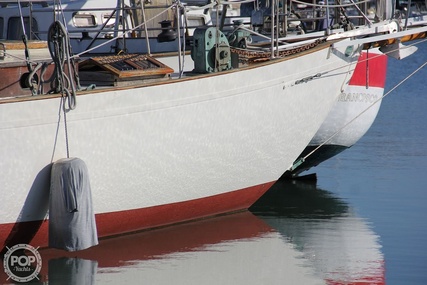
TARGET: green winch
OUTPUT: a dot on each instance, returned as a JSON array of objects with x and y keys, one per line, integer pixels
[{"x": 210, "y": 51}]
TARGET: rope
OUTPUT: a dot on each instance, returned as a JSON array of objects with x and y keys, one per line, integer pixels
[
  {"x": 67, "y": 147},
  {"x": 59, "y": 49},
  {"x": 31, "y": 80},
  {"x": 370, "y": 106}
]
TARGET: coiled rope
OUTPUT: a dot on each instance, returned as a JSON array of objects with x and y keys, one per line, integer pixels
[{"x": 59, "y": 48}]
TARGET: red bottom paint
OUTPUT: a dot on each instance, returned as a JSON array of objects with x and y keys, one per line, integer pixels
[{"x": 35, "y": 233}]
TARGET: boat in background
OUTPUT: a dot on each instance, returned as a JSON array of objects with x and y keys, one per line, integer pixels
[
  {"x": 360, "y": 101},
  {"x": 352, "y": 115},
  {"x": 163, "y": 144}
]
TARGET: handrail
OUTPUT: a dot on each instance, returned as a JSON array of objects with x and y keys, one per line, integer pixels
[
  {"x": 126, "y": 32},
  {"x": 330, "y": 6}
]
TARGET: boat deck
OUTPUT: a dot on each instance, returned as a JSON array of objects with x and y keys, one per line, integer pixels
[{"x": 12, "y": 53}]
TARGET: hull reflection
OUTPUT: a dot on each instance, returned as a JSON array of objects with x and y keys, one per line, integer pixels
[
  {"x": 339, "y": 245},
  {"x": 232, "y": 249},
  {"x": 297, "y": 234}
]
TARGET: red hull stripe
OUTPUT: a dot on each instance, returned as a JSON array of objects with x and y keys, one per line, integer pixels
[
  {"x": 376, "y": 67},
  {"x": 115, "y": 223}
]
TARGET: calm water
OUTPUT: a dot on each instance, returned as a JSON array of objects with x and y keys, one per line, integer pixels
[
  {"x": 383, "y": 177},
  {"x": 363, "y": 222}
]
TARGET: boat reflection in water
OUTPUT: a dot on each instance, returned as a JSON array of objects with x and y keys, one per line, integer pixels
[
  {"x": 340, "y": 246},
  {"x": 297, "y": 234},
  {"x": 238, "y": 248}
]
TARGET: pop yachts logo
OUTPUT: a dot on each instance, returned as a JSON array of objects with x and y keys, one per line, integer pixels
[{"x": 22, "y": 263}]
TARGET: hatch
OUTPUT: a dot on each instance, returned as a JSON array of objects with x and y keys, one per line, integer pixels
[{"x": 122, "y": 70}]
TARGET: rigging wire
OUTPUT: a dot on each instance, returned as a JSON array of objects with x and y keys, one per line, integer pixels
[
  {"x": 155, "y": 16},
  {"x": 31, "y": 81},
  {"x": 184, "y": 27},
  {"x": 22, "y": 18},
  {"x": 123, "y": 34},
  {"x": 325, "y": 72},
  {"x": 387, "y": 52}
]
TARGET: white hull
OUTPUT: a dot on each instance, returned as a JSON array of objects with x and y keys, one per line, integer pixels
[
  {"x": 350, "y": 105},
  {"x": 168, "y": 143},
  {"x": 356, "y": 108}
]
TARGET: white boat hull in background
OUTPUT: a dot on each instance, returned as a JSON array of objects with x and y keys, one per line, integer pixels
[{"x": 353, "y": 114}]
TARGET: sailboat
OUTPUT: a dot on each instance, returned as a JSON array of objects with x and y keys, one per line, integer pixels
[
  {"x": 162, "y": 141},
  {"x": 352, "y": 115},
  {"x": 359, "y": 103}
]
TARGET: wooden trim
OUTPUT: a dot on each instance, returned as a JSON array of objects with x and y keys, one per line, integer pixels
[{"x": 16, "y": 45}]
